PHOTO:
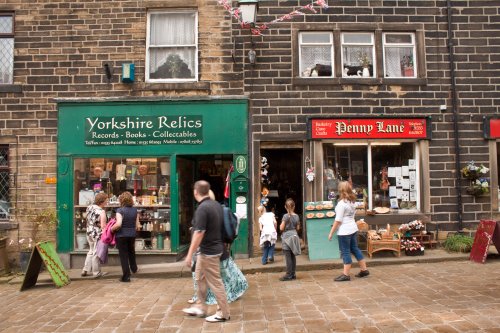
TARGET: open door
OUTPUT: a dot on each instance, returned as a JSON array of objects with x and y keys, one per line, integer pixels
[{"x": 185, "y": 177}]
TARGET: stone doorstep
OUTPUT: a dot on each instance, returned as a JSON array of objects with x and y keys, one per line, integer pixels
[{"x": 253, "y": 266}]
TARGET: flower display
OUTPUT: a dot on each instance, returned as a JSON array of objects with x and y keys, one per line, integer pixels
[
  {"x": 413, "y": 225},
  {"x": 411, "y": 244},
  {"x": 364, "y": 60},
  {"x": 478, "y": 185},
  {"x": 472, "y": 172}
]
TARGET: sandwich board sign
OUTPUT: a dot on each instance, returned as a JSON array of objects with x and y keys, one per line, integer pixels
[{"x": 45, "y": 253}]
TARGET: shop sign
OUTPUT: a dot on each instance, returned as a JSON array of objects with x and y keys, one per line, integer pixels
[
  {"x": 369, "y": 128},
  {"x": 241, "y": 164},
  {"x": 491, "y": 128},
  {"x": 144, "y": 130}
]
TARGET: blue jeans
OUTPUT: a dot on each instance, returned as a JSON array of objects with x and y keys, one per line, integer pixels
[
  {"x": 349, "y": 244},
  {"x": 268, "y": 252}
]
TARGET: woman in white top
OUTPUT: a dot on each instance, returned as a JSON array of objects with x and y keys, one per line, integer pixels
[
  {"x": 268, "y": 234},
  {"x": 347, "y": 232}
]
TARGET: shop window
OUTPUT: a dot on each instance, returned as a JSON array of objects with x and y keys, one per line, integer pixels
[
  {"x": 172, "y": 46},
  {"x": 147, "y": 179},
  {"x": 399, "y": 55},
  {"x": 4, "y": 183},
  {"x": 384, "y": 175},
  {"x": 6, "y": 48},
  {"x": 358, "y": 54},
  {"x": 316, "y": 54}
]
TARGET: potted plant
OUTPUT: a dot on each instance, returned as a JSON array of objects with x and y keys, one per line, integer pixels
[
  {"x": 412, "y": 247},
  {"x": 458, "y": 243},
  {"x": 43, "y": 224},
  {"x": 407, "y": 65},
  {"x": 365, "y": 62},
  {"x": 408, "y": 228}
]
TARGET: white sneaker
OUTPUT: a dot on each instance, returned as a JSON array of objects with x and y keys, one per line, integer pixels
[
  {"x": 99, "y": 274},
  {"x": 216, "y": 319},
  {"x": 194, "y": 311}
]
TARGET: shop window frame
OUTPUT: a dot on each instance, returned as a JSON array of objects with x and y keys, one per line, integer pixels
[
  {"x": 417, "y": 154},
  {"x": 378, "y": 30},
  {"x": 194, "y": 46}
]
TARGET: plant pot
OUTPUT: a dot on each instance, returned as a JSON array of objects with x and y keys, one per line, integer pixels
[
  {"x": 366, "y": 72},
  {"x": 408, "y": 72},
  {"x": 474, "y": 190},
  {"x": 81, "y": 241},
  {"x": 414, "y": 253}
]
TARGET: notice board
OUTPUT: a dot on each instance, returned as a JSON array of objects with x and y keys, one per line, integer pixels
[
  {"x": 484, "y": 237},
  {"x": 45, "y": 253}
]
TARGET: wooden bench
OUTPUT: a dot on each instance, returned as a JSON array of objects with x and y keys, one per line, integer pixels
[{"x": 384, "y": 244}]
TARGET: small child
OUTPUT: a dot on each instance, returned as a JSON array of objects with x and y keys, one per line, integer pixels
[
  {"x": 290, "y": 239},
  {"x": 268, "y": 234}
]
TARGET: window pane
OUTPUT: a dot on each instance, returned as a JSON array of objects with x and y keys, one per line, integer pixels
[
  {"x": 4, "y": 182},
  {"x": 6, "y": 24},
  {"x": 172, "y": 29},
  {"x": 317, "y": 57},
  {"x": 403, "y": 180},
  {"x": 172, "y": 63},
  {"x": 346, "y": 163},
  {"x": 400, "y": 38},
  {"x": 364, "y": 38},
  {"x": 356, "y": 59},
  {"x": 316, "y": 37},
  {"x": 6, "y": 60},
  {"x": 399, "y": 62}
]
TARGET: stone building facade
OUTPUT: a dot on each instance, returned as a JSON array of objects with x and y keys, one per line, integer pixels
[{"x": 62, "y": 48}]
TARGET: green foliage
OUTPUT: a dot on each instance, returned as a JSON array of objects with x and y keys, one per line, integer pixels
[{"x": 458, "y": 243}]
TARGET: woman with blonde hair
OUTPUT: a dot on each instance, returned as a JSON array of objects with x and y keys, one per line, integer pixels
[{"x": 347, "y": 232}]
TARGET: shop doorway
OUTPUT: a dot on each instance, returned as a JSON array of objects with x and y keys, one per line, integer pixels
[
  {"x": 284, "y": 172},
  {"x": 212, "y": 168}
]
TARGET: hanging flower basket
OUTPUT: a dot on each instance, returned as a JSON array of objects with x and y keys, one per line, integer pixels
[
  {"x": 476, "y": 190},
  {"x": 472, "y": 172}
]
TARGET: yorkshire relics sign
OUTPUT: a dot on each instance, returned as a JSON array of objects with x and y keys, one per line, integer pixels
[
  {"x": 369, "y": 128},
  {"x": 144, "y": 130}
]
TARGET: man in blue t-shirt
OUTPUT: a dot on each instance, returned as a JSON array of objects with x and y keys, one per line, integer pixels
[{"x": 207, "y": 236}]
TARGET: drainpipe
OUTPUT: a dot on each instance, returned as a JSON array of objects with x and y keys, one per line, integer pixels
[{"x": 454, "y": 103}]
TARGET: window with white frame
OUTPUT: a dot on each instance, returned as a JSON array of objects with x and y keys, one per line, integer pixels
[
  {"x": 172, "y": 46},
  {"x": 399, "y": 55},
  {"x": 358, "y": 54},
  {"x": 6, "y": 48},
  {"x": 316, "y": 54}
]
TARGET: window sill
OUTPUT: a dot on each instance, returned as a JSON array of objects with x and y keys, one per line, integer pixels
[
  {"x": 187, "y": 86},
  {"x": 11, "y": 88},
  {"x": 6, "y": 225},
  {"x": 317, "y": 81}
]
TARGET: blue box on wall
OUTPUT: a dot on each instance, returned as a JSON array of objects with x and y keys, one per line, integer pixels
[{"x": 128, "y": 72}]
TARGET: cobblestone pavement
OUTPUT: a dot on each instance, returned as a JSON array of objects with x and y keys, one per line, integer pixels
[{"x": 458, "y": 296}]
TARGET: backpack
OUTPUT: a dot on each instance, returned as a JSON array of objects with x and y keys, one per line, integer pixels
[{"x": 231, "y": 225}]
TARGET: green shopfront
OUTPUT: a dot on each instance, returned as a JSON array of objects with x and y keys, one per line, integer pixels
[{"x": 155, "y": 150}]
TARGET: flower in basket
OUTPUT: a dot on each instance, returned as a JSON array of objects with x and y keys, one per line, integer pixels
[
  {"x": 479, "y": 187},
  {"x": 472, "y": 171},
  {"x": 411, "y": 245}
]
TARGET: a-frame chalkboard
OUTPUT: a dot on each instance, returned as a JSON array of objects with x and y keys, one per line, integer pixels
[{"x": 44, "y": 252}]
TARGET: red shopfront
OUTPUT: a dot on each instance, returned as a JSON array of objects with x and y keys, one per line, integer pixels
[
  {"x": 491, "y": 131},
  {"x": 385, "y": 158}
]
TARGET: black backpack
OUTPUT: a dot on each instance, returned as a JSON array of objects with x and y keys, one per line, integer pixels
[{"x": 231, "y": 225}]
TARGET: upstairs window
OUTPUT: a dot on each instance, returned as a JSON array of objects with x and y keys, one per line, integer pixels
[
  {"x": 6, "y": 48},
  {"x": 4, "y": 183},
  {"x": 316, "y": 54},
  {"x": 358, "y": 54},
  {"x": 399, "y": 55},
  {"x": 172, "y": 46}
]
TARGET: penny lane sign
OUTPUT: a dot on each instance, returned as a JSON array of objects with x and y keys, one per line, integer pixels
[
  {"x": 369, "y": 128},
  {"x": 144, "y": 130}
]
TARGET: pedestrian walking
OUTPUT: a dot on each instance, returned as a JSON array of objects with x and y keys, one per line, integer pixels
[
  {"x": 96, "y": 222},
  {"x": 289, "y": 226},
  {"x": 235, "y": 283},
  {"x": 207, "y": 236},
  {"x": 127, "y": 223},
  {"x": 268, "y": 234},
  {"x": 347, "y": 232}
]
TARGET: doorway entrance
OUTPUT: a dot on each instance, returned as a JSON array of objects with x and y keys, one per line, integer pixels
[
  {"x": 285, "y": 179},
  {"x": 190, "y": 168}
]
